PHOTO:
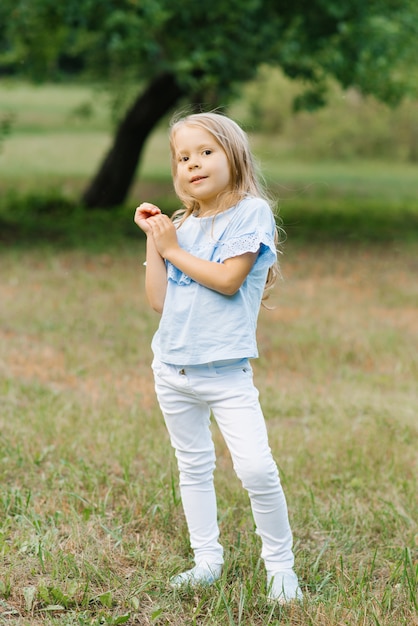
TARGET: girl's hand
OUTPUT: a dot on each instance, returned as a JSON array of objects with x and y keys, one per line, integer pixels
[
  {"x": 163, "y": 233},
  {"x": 142, "y": 213}
]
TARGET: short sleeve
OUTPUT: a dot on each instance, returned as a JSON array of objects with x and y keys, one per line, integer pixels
[
  {"x": 246, "y": 227},
  {"x": 252, "y": 229}
]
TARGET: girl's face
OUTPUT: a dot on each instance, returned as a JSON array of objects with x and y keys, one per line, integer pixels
[{"x": 203, "y": 170}]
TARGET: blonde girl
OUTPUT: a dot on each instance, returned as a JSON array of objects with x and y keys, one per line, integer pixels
[{"x": 206, "y": 274}]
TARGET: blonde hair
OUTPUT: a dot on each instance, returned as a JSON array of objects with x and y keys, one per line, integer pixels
[{"x": 245, "y": 177}]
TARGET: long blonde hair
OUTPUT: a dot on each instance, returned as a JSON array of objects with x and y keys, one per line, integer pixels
[{"x": 246, "y": 179}]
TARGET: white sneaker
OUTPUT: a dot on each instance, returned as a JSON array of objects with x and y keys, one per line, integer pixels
[
  {"x": 283, "y": 587},
  {"x": 201, "y": 574}
]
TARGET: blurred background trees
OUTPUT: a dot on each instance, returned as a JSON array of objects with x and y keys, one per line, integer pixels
[{"x": 155, "y": 55}]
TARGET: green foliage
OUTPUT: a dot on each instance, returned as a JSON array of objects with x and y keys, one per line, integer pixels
[
  {"x": 370, "y": 45},
  {"x": 6, "y": 123},
  {"x": 350, "y": 126},
  {"x": 202, "y": 52},
  {"x": 49, "y": 217},
  {"x": 31, "y": 220}
]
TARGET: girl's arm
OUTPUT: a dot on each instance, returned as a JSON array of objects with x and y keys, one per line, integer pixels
[
  {"x": 155, "y": 276},
  {"x": 156, "y": 272},
  {"x": 226, "y": 277}
]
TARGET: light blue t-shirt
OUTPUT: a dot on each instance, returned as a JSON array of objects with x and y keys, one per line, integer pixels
[{"x": 199, "y": 325}]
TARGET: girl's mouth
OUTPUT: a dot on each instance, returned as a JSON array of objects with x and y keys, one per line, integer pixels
[{"x": 196, "y": 179}]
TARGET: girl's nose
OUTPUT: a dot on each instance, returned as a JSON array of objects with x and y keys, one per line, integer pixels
[{"x": 193, "y": 163}]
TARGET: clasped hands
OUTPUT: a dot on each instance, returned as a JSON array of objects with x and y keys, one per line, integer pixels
[{"x": 150, "y": 219}]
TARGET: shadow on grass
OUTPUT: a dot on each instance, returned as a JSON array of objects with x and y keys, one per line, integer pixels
[{"x": 36, "y": 220}]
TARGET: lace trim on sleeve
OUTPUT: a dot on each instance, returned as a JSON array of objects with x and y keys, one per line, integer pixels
[
  {"x": 250, "y": 243},
  {"x": 231, "y": 248}
]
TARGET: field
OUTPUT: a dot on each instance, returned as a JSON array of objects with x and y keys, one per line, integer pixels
[{"x": 91, "y": 523}]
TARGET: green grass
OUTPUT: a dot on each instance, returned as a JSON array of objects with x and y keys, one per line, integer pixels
[{"x": 91, "y": 526}]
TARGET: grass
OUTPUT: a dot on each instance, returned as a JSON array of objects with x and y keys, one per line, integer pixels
[{"x": 91, "y": 526}]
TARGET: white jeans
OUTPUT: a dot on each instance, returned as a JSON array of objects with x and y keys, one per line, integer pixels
[{"x": 187, "y": 396}]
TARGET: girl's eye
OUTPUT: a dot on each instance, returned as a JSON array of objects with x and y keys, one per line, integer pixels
[
  {"x": 184, "y": 159},
  {"x": 207, "y": 152}
]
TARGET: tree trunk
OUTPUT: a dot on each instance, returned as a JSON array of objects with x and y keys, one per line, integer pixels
[{"x": 110, "y": 185}]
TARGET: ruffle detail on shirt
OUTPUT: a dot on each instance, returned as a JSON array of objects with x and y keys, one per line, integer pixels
[
  {"x": 174, "y": 274},
  {"x": 250, "y": 243}
]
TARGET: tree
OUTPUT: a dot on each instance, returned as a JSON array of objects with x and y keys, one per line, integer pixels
[{"x": 195, "y": 52}]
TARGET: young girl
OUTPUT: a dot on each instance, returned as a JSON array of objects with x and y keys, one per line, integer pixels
[{"x": 206, "y": 273}]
